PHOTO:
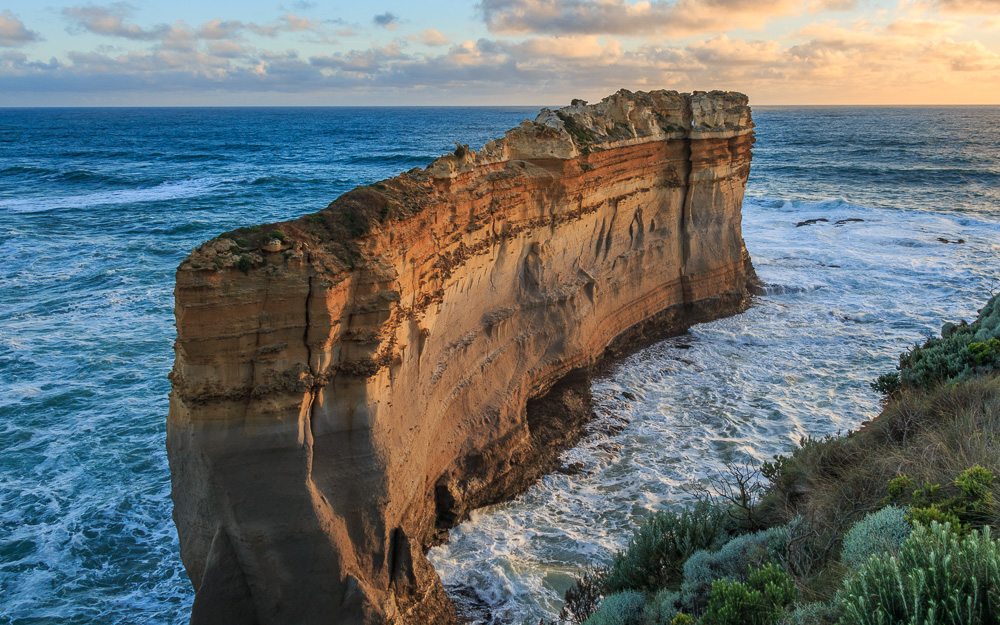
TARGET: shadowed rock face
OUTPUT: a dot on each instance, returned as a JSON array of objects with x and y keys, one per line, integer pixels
[{"x": 350, "y": 384}]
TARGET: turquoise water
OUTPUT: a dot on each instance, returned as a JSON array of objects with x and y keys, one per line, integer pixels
[{"x": 98, "y": 206}]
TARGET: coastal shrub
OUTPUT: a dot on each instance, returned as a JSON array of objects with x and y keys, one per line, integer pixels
[
  {"x": 732, "y": 562},
  {"x": 899, "y": 488},
  {"x": 976, "y": 484},
  {"x": 683, "y": 619},
  {"x": 583, "y": 597},
  {"x": 662, "y": 608},
  {"x": 910, "y": 455},
  {"x": 934, "y": 513},
  {"x": 880, "y": 532},
  {"x": 244, "y": 263},
  {"x": 938, "y": 577},
  {"x": 886, "y": 384},
  {"x": 623, "y": 608},
  {"x": 655, "y": 555},
  {"x": 962, "y": 351},
  {"x": 759, "y": 601},
  {"x": 814, "y": 613},
  {"x": 276, "y": 234},
  {"x": 971, "y": 503}
]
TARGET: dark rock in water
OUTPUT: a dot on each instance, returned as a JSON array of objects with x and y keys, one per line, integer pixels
[
  {"x": 841, "y": 222},
  {"x": 629, "y": 396},
  {"x": 573, "y": 468},
  {"x": 944, "y": 240},
  {"x": 471, "y": 608},
  {"x": 810, "y": 222},
  {"x": 682, "y": 346}
]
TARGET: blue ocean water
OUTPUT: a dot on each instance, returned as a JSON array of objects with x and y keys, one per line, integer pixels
[{"x": 98, "y": 206}]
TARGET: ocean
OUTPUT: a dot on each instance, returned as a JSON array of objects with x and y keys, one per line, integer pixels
[{"x": 99, "y": 206}]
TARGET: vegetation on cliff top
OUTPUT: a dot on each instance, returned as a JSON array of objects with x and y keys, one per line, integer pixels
[{"x": 892, "y": 523}]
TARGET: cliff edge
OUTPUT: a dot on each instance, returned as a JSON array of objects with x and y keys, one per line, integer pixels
[{"x": 348, "y": 385}]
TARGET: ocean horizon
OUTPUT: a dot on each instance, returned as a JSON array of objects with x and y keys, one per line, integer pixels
[{"x": 99, "y": 205}]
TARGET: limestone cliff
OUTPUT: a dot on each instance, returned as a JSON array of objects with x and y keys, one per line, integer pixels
[{"x": 350, "y": 384}]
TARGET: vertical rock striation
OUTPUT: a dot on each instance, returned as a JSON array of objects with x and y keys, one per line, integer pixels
[{"x": 350, "y": 384}]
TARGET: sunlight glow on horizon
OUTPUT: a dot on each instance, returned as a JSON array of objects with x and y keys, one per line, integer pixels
[{"x": 500, "y": 52}]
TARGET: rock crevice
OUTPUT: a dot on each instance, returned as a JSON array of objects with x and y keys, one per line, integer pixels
[{"x": 350, "y": 384}]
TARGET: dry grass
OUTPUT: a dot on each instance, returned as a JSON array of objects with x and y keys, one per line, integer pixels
[{"x": 929, "y": 436}]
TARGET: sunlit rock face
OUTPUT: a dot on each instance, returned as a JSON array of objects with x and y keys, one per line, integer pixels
[{"x": 350, "y": 384}]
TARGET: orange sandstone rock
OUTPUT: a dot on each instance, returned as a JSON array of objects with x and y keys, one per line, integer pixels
[{"x": 348, "y": 385}]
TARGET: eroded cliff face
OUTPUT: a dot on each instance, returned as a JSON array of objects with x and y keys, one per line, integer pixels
[{"x": 350, "y": 384}]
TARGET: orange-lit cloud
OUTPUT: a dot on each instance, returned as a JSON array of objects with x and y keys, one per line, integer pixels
[{"x": 544, "y": 50}]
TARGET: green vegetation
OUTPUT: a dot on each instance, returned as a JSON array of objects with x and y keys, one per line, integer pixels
[
  {"x": 961, "y": 352},
  {"x": 881, "y": 532},
  {"x": 623, "y": 608},
  {"x": 760, "y": 601},
  {"x": 939, "y": 576},
  {"x": 659, "y": 547},
  {"x": 892, "y": 523},
  {"x": 580, "y": 135}
]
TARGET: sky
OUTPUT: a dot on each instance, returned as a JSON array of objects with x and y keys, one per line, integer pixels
[{"x": 495, "y": 52}]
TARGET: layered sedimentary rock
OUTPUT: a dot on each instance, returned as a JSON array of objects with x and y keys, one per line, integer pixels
[{"x": 350, "y": 384}]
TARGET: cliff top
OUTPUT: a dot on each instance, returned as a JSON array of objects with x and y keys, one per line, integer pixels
[{"x": 332, "y": 234}]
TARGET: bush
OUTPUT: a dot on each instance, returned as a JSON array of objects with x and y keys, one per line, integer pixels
[
  {"x": 623, "y": 608},
  {"x": 961, "y": 352},
  {"x": 976, "y": 484},
  {"x": 816, "y": 613},
  {"x": 583, "y": 597},
  {"x": 927, "y": 515},
  {"x": 760, "y": 601},
  {"x": 880, "y": 532},
  {"x": 655, "y": 555},
  {"x": 938, "y": 577},
  {"x": 973, "y": 503},
  {"x": 662, "y": 608},
  {"x": 733, "y": 562}
]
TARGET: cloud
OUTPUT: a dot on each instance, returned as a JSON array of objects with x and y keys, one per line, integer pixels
[
  {"x": 288, "y": 23},
  {"x": 980, "y": 7},
  {"x": 618, "y": 17},
  {"x": 386, "y": 20},
  {"x": 819, "y": 6},
  {"x": 908, "y": 60},
  {"x": 430, "y": 37},
  {"x": 219, "y": 29},
  {"x": 563, "y": 48},
  {"x": 923, "y": 28},
  {"x": 110, "y": 20},
  {"x": 13, "y": 33}
]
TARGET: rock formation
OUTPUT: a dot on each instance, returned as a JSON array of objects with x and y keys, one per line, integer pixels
[{"x": 348, "y": 385}]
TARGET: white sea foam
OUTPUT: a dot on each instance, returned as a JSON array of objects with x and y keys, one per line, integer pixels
[
  {"x": 161, "y": 192},
  {"x": 847, "y": 300}
]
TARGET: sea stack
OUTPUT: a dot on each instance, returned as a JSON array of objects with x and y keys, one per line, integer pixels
[{"x": 350, "y": 384}]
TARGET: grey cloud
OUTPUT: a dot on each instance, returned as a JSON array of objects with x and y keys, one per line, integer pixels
[
  {"x": 110, "y": 20},
  {"x": 386, "y": 20},
  {"x": 13, "y": 34},
  {"x": 619, "y": 17}
]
